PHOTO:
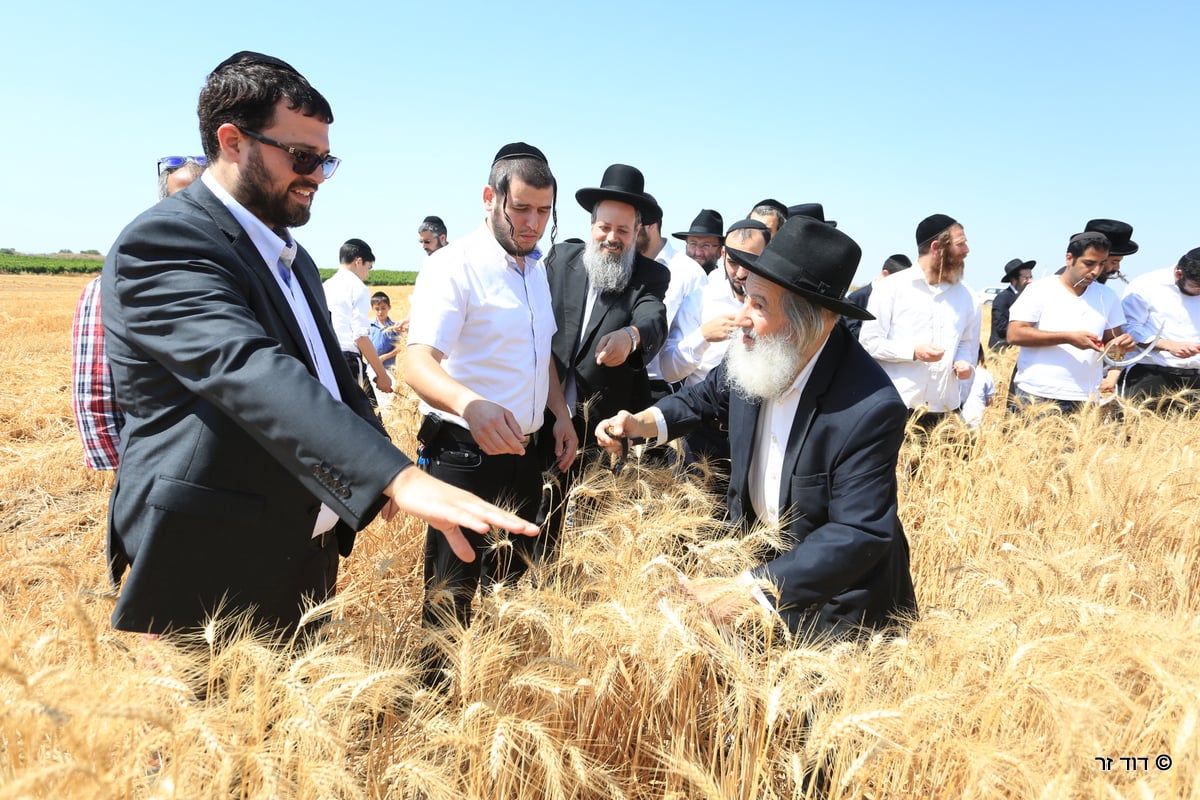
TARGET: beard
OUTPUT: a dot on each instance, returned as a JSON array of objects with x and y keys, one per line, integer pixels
[
  {"x": 276, "y": 209},
  {"x": 502, "y": 229},
  {"x": 949, "y": 267},
  {"x": 765, "y": 369},
  {"x": 609, "y": 270}
]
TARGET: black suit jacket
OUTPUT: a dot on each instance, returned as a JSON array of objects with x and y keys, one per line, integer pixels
[
  {"x": 847, "y": 565},
  {"x": 860, "y": 297},
  {"x": 1001, "y": 305},
  {"x": 608, "y": 389},
  {"x": 231, "y": 443}
]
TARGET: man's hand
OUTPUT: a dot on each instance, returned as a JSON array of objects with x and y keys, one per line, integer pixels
[
  {"x": 928, "y": 353},
  {"x": 1121, "y": 344},
  {"x": 613, "y": 348},
  {"x": 494, "y": 428},
  {"x": 383, "y": 382},
  {"x": 718, "y": 329},
  {"x": 624, "y": 425},
  {"x": 1179, "y": 349},
  {"x": 1109, "y": 384},
  {"x": 447, "y": 507},
  {"x": 566, "y": 442},
  {"x": 1083, "y": 340},
  {"x": 963, "y": 370}
]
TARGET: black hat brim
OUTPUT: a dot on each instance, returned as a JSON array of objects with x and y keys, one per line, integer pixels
[
  {"x": 775, "y": 269},
  {"x": 588, "y": 198},
  {"x": 1126, "y": 248},
  {"x": 685, "y": 235},
  {"x": 1010, "y": 274}
]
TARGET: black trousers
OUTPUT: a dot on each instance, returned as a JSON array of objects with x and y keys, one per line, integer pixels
[
  {"x": 511, "y": 481},
  {"x": 1144, "y": 381},
  {"x": 358, "y": 368}
]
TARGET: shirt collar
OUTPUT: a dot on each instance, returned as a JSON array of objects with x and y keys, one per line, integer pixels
[
  {"x": 268, "y": 243},
  {"x": 496, "y": 251}
]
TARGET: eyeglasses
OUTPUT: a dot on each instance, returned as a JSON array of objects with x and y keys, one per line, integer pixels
[
  {"x": 304, "y": 162},
  {"x": 169, "y": 164}
]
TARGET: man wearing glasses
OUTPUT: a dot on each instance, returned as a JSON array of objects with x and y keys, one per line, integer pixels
[
  {"x": 249, "y": 456},
  {"x": 704, "y": 239},
  {"x": 93, "y": 396}
]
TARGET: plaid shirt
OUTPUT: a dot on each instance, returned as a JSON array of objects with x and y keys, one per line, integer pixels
[{"x": 94, "y": 397}]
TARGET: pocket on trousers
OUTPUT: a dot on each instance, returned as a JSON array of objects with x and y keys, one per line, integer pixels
[{"x": 194, "y": 499}]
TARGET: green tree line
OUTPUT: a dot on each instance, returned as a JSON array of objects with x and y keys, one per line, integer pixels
[{"x": 12, "y": 263}]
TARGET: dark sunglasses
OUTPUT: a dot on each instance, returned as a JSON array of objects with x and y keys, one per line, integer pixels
[
  {"x": 171, "y": 163},
  {"x": 304, "y": 162}
]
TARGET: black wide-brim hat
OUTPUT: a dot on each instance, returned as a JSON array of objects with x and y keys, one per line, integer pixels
[
  {"x": 814, "y": 260},
  {"x": 706, "y": 223},
  {"x": 623, "y": 183},
  {"x": 1013, "y": 267},
  {"x": 814, "y": 210},
  {"x": 1118, "y": 234}
]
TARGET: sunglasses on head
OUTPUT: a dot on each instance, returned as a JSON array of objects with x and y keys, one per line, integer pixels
[
  {"x": 304, "y": 162},
  {"x": 172, "y": 163}
]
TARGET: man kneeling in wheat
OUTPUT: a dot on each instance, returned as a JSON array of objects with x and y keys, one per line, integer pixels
[{"x": 815, "y": 427}]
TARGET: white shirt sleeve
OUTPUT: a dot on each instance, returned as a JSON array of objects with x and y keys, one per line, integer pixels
[
  {"x": 438, "y": 308},
  {"x": 686, "y": 345},
  {"x": 876, "y": 335}
]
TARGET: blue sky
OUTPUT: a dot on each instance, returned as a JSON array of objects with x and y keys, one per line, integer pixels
[{"x": 1022, "y": 120}]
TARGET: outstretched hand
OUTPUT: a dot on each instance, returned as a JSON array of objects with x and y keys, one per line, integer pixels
[{"x": 449, "y": 509}]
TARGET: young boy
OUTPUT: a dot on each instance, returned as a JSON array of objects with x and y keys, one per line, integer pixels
[{"x": 385, "y": 335}]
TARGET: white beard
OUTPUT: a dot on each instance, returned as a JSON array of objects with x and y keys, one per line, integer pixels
[
  {"x": 765, "y": 370},
  {"x": 608, "y": 272}
]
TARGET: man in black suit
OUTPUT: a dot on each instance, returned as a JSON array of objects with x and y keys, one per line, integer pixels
[
  {"x": 815, "y": 426},
  {"x": 1017, "y": 274},
  {"x": 611, "y": 318},
  {"x": 250, "y": 458},
  {"x": 608, "y": 304}
]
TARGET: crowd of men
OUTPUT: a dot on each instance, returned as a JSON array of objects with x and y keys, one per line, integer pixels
[{"x": 251, "y": 451}]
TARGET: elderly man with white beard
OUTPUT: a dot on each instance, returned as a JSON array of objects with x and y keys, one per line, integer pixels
[{"x": 815, "y": 426}]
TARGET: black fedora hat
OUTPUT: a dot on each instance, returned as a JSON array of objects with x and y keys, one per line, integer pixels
[
  {"x": 814, "y": 210},
  {"x": 1013, "y": 267},
  {"x": 623, "y": 183},
  {"x": 814, "y": 260},
  {"x": 1118, "y": 234},
  {"x": 706, "y": 223}
]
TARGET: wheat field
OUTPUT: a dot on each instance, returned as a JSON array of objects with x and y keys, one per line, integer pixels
[{"x": 1057, "y": 655}]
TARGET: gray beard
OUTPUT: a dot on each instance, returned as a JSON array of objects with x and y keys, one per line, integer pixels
[
  {"x": 764, "y": 371},
  {"x": 608, "y": 272}
]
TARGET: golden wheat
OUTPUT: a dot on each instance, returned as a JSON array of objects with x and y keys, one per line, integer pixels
[{"x": 1057, "y": 564}]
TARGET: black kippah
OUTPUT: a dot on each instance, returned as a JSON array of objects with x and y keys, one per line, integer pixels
[
  {"x": 519, "y": 150},
  {"x": 251, "y": 57}
]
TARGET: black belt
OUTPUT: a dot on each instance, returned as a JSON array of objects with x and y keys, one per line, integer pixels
[
  {"x": 463, "y": 436},
  {"x": 1177, "y": 372}
]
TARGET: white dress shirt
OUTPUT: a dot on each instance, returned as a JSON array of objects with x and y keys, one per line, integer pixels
[
  {"x": 910, "y": 312},
  {"x": 687, "y": 356},
  {"x": 492, "y": 320},
  {"x": 349, "y": 304},
  {"x": 686, "y": 276},
  {"x": 775, "y": 420},
  {"x": 1152, "y": 300}
]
